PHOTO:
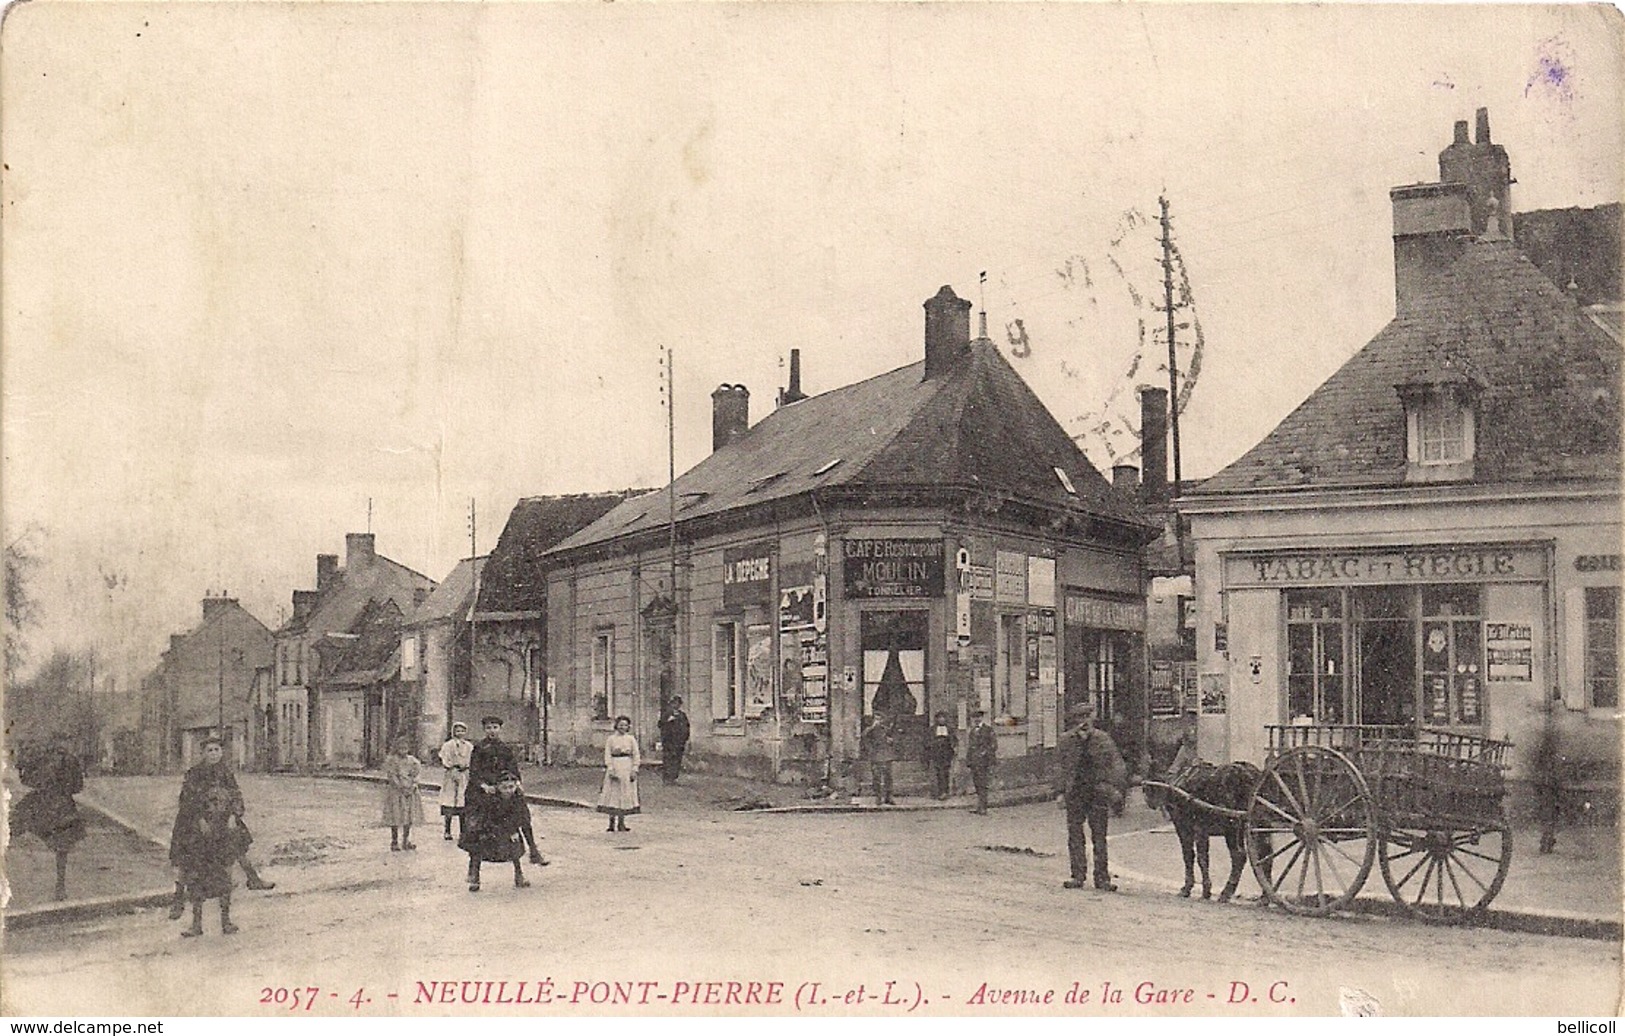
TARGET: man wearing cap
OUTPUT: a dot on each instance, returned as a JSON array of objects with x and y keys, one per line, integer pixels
[
  {"x": 981, "y": 752},
  {"x": 673, "y": 741},
  {"x": 1089, "y": 779},
  {"x": 455, "y": 756}
]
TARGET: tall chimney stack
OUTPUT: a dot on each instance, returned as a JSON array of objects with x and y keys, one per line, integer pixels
[
  {"x": 1484, "y": 168},
  {"x": 359, "y": 550},
  {"x": 1154, "y": 447},
  {"x": 793, "y": 393},
  {"x": 947, "y": 333},
  {"x": 730, "y": 414},
  {"x": 327, "y": 569},
  {"x": 1126, "y": 481}
]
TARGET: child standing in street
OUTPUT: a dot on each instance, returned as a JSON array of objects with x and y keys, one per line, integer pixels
[
  {"x": 501, "y": 832},
  {"x": 402, "y": 806},
  {"x": 209, "y": 848}
]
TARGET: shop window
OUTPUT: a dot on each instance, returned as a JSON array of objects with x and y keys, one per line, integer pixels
[
  {"x": 1103, "y": 674},
  {"x": 1452, "y": 656},
  {"x": 726, "y": 679},
  {"x": 603, "y": 674},
  {"x": 1602, "y": 647},
  {"x": 1317, "y": 680}
]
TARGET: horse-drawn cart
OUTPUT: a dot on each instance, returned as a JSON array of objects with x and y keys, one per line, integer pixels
[{"x": 1332, "y": 801}]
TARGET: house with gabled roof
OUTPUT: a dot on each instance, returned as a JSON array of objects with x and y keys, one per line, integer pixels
[
  {"x": 1432, "y": 538},
  {"x": 203, "y": 687},
  {"x": 929, "y": 540},
  {"x": 326, "y": 724}
]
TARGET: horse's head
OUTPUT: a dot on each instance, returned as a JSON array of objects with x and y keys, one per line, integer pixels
[{"x": 1156, "y": 793}]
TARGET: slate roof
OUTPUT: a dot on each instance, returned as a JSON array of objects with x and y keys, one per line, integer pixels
[
  {"x": 368, "y": 652},
  {"x": 1549, "y": 376},
  {"x": 1582, "y": 244},
  {"x": 451, "y": 598},
  {"x": 975, "y": 427},
  {"x": 514, "y": 581},
  {"x": 343, "y": 601}
]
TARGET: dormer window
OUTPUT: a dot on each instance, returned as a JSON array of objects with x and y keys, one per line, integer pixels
[{"x": 1440, "y": 429}]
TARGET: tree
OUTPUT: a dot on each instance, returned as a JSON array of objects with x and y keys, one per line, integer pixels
[{"x": 21, "y": 607}]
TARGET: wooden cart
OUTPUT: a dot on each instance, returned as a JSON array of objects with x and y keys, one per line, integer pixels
[{"x": 1426, "y": 806}]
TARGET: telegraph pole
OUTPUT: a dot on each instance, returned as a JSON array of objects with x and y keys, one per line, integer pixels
[
  {"x": 1173, "y": 358},
  {"x": 474, "y": 602}
]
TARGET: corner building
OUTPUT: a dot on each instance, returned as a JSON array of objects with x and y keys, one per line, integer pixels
[
  {"x": 1432, "y": 539},
  {"x": 928, "y": 540}
]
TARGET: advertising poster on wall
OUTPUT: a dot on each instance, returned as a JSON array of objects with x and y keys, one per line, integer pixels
[
  {"x": 1509, "y": 650},
  {"x": 758, "y": 670}
]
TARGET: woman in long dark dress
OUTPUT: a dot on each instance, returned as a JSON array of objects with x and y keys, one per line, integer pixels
[{"x": 54, "y": 777}]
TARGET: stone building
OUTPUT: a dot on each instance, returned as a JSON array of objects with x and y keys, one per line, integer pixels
[
  {"x": 203, "y": 686},
  {"x": 927, "y": 540},
  {"x": 1432, "y": 538}
]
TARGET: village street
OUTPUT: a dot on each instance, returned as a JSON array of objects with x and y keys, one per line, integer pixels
[{"x": 936, "y": 902}]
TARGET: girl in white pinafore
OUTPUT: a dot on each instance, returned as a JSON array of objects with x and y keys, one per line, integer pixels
[{"x": 620, "y": 793}]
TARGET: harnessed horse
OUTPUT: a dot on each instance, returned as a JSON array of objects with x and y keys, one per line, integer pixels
[{"x": 1188, "y": 798}]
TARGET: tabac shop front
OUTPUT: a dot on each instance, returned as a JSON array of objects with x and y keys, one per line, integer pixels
[{"x": 1447, "y": 637}]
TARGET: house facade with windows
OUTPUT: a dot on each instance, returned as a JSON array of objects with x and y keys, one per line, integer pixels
[
  {"x": 1432, "y": 538},
  {"x": 926, "y": 541},
  {"x": 204, "y": 686},
  {"x": 319, "y": 724}
]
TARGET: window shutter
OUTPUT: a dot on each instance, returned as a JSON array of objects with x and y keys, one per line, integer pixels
[
  {"x": 1572, "y": 667},
  {"x": 721, "y": 671}
]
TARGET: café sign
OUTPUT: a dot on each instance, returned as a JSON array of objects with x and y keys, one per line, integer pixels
[
  {"x": 1465, "y": 564},
  {"x": 893, "y": 567}
]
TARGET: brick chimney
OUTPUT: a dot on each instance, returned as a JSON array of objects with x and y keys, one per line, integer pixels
[
  {"x": 1153, "y": 446},
  {"x": 1485, "y": 169},
  {"x": 1126, "y": 481},
  {"x": 1432, "y": 225},
  {"x": 212, "y": 606},
  {"x": 359, "y": 550},
  {"x": 947, "y": 333},
  {"x": 327, "y": 569},
  {"x": 304, "y": 601},
  {"x": 730, "y": 414},
  {"x": 793, "y": 393}
]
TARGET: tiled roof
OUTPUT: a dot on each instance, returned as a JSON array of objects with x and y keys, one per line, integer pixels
[
  {"x": 976, "y": 427},
  {"x": 513, "y": 580},
  {"x": 1550, "y": 378}
]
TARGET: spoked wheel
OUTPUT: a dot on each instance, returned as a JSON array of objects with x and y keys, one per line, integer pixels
[
  {"x": 1445, "y": 875},
  {"x": 1311, "y": 832}
]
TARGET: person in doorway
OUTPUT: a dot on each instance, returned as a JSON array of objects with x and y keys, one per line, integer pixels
[
  {"x": 503, "y": 833},
  {"x": 1089, "y": 781},
  {"x": 1546, "y": 767},
  {"x": 200, "y": 781},
  {"x": 939, "y": 752},
  {"x": 53, "y": 776},
  {"x": 455, "y": 755},
  {"x": 981, "y": 753},
  {"x": 403, "y": 807},
  {"x": 673, "y": 741},
  {"x": 619, "y": 796},
  {"x": 879, "y": 744}
]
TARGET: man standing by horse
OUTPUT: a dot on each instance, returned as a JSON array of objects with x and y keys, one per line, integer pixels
[{"x": 1090, "y": 780}]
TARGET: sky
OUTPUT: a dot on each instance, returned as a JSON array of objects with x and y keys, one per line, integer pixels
[{"x": 267, "y": 266}]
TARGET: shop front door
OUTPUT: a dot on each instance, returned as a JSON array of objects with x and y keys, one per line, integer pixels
[
  {"x": 1385, "y": 639},
  {"x": 894, "y": 674}
]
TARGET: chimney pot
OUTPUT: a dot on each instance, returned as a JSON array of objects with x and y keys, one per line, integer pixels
[
  {"x": 730, "y": 414},
  {"x": 947, "y": 332},
  {"x": 793, "y": 393},
  {"x": 1482, "y": 133}
]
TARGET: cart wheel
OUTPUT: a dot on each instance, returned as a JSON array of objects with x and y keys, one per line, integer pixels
[
  {"x": 1445, "y": 875},
  {"x": 1311, "y": 833}
]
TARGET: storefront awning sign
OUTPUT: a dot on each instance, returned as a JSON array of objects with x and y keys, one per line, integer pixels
[
  {"x": 893, "y": 567},
  {"x": 747, "y": 575}
]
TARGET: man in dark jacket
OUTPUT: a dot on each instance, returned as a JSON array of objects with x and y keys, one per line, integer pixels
[
  {"x": 981, "y": 752},
  {"x": 673, "y": 741},
  {"x": 939, "y": 752},
  {"x": 491, "y": 758},
  {"x": 879, "y": 745},
  {"x": 1089, "y": 779}
]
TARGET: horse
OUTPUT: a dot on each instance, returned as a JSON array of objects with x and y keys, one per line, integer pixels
[{"x": 1229, "y": 786}]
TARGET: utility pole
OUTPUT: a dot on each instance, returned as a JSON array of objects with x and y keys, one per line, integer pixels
[
  {"x": 1173, "y": 358},
  {"x": 474, "y": 602},
  {"x": 671, "y": 472}
]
